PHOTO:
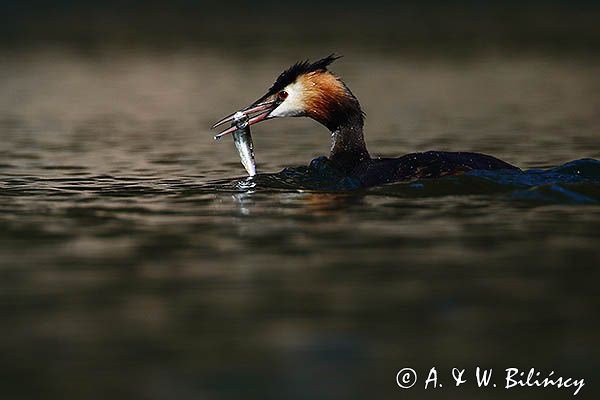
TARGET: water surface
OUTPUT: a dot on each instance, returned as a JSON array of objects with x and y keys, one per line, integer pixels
[{"x": 136, "y": 260}]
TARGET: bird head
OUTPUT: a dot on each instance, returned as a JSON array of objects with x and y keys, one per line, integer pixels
[{"x": 304, "y": 90}]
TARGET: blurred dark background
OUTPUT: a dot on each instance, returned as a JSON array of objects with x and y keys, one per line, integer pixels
[{"x": 376, "y": 25}]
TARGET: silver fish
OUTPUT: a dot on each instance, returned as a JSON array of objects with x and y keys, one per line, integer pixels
[{"x": 243, "y": 142}]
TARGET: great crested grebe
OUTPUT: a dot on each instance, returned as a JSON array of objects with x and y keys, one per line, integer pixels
[{"x": 311, "y": 90}]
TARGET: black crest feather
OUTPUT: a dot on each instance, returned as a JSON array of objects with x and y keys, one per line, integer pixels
[{"x": 302, "y": 67}]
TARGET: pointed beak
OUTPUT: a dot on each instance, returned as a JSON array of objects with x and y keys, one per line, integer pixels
[{"x": 257, "y": 111}]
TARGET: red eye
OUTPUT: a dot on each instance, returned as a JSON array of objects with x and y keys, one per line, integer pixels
[{"x": 282, "y": 95}]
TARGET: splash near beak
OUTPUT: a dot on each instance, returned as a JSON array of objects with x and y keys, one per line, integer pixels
[{"x": 261, "y": 111}]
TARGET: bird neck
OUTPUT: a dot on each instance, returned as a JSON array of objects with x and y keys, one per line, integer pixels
[
  {"x": 330, "y": 102},
  {"x": 348, "y": 147}
]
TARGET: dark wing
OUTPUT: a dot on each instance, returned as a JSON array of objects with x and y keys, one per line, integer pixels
[{"x": 430, "y": 164}]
